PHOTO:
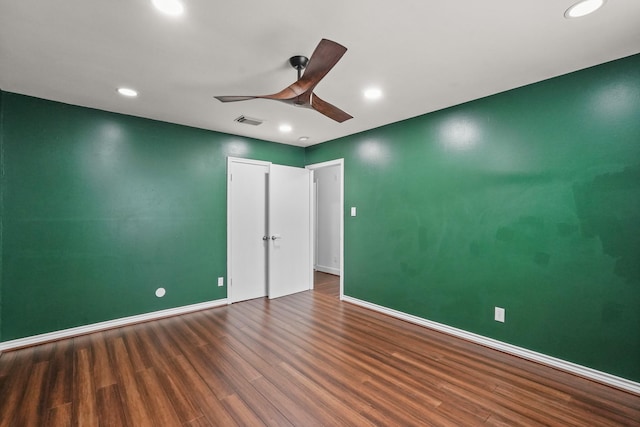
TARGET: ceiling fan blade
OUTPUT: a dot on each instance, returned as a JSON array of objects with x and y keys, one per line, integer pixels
[
  {"x": 233, "y": 98},
  {"x": 286, "y": 94},
  {"x": 323, "y": 59},
  {"x": 329, "y": 110},
  {"x": 290, "y": 92},
  {"x": 300, "y": 93}
]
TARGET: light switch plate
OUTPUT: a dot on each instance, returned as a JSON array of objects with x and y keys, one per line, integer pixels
[{"x": 353, "y": 211}]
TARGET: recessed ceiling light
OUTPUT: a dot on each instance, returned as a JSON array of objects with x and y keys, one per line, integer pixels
[
  {"x": 285, "y": 128},
  {"x": 583, "y": 8},
  {"x": 373, "y": 93},
  {"x": 170, "y": 7},
  {"x": 303, "y": 139},
  {"x": 125, "y": 91}
]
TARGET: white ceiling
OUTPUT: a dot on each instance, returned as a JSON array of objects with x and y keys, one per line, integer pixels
[{"x": 424, "y": 55}]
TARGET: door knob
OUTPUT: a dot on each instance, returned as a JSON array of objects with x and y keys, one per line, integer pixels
[
  {"x": 275, "y": 237},
  {"x": 265, "y": 237}
]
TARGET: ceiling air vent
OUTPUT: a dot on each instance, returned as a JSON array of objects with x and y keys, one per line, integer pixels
[{"x": 248, "y": 121}]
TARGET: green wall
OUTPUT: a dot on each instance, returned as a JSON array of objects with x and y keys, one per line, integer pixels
[
  {"x": 100, "y": 209},
  {"x": 527, "y": 200}
]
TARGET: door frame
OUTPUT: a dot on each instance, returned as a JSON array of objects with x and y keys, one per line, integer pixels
[{"x": 315, "y": 166}]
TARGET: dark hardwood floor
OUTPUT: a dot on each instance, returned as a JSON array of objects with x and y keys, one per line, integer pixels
[
  {"x": 327, "y": 284},
  {"x": 303, "y": 360}
]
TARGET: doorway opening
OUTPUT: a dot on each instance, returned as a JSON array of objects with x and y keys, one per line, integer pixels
[{"x": 328, "y": 226}]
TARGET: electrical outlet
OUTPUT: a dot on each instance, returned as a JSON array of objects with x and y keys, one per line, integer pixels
[
  {"x": 220, "y": 281},
  {"x": 499, "y": 314}
]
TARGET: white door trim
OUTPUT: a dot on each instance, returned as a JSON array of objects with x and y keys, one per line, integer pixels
[{"x": 336, "y": 162}]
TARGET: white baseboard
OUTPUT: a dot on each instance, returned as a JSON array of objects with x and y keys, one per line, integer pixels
[
  {"x": 583, "y": 371},
  {"x": 330, "y": 270},
  {"x": 109, "y": 324}
]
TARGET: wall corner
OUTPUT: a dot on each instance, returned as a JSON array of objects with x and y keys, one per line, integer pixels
[{"x": 2, "y": 184}]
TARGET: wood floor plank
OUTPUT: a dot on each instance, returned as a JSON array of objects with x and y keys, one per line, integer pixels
[
  {"x": 31, "y": 410},
  {"x": 159, "y": 406},
  {"x": 273, "y": 387},
  {"x": 320, "y": 370},
  {"x": 602, "y": 409},
  {"x": 450, "y": 411},
  {"x": 174, "y": 386},
  {"x": 138, "y": 359},
  {"x": 340, "y": 413},
  {"x": 7, "y": 360},
  {"x": 14, "y": 386},
  {"x": 201, "y": 395},
  {"x": 135, "y": 407},
  {"x": 262, "y": 406},
  {"x": 407, "y": 409},
  {"x": 111, "y": 412},
  {"x": 569, "y": 416},
  {"x": 60, "y": 416},
  {"x": 60, "y": 379},
  {"x": 200, "y": 323},
  {"x": 191, "y": 330},
  {"x": 103, "y": 375},
  {"x": 43, "y": 352},
  {"x": 240, "y": 411},
  {"x": 469, "y": 390},
  {"x": 199, "y": 422},
  {"x": 306, "y": 359},
  {"x": 209, "y": 370},
  {"x": 167, "y": 342},
  {"x": 234, "y": 359},
  {"x": 84, "y": 397}
]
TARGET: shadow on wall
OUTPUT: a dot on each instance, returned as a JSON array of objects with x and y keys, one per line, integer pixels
[{"x": 609, "y": 208}]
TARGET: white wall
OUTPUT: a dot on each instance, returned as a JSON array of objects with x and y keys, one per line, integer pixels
[{"x": 328, "y": 219}]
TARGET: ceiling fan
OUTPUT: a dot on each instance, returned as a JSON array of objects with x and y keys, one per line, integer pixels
[{"x": 300, "y": 93}]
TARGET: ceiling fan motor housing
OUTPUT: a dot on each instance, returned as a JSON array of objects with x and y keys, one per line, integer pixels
[{"x": 298, "y": 62}]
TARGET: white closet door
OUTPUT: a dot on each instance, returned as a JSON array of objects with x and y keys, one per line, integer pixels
[
  {"x": 247, "y": 228},
  {"x": 289, "y": 218}
]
